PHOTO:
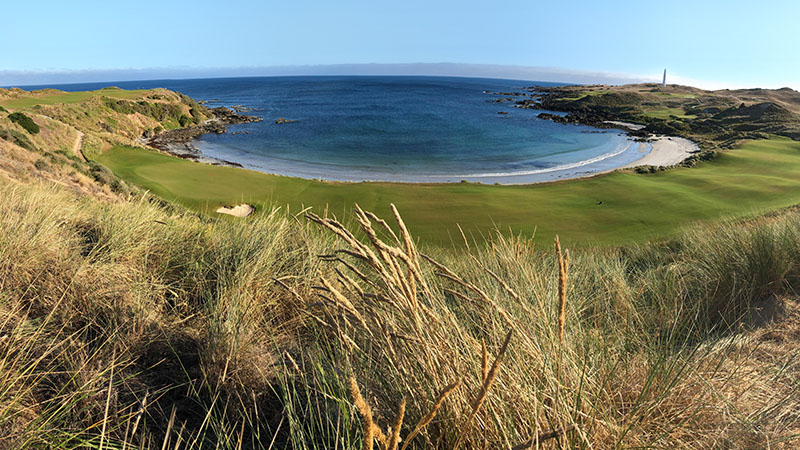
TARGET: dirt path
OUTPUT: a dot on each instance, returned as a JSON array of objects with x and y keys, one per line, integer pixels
[{"x": 76, "y": 147}]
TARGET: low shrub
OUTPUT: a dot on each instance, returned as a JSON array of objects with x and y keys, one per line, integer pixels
[
  {"x": 158, "y": 111},
  {"x": 648, "y": 169},
  {"x": 104, "y": 176},
  {"x": 698, "y": 157},
  {"x": 41, "y": 164},
  {"x": 24, "y": 121},
  {"x": 17, "y": 138},
  {"x": 100, "y": 173}
]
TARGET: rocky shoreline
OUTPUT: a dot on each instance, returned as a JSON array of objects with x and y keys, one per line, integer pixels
[
  {"x": 687, "y": 153},
  {"x": 178, "y": 142},
  {"x": 713, "y": 119},
  {"x": 546, "y": 99}
]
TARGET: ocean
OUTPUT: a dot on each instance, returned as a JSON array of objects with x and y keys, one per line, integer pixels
[{"x": 395, "y": 128}]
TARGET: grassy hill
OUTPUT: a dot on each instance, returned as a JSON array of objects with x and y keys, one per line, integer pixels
[
  {"x": 75, "y": 125},
  {"x": 16, "y": 98}
]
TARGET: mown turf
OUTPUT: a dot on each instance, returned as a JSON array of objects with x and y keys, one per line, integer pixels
[
  {"x": 585, "y": 94},
  {"x": 666, "y": 113},
  {"x": 758, "y": 177},
  {"x": 675, "y": 94},
  {"x": 67, "y": 97}
]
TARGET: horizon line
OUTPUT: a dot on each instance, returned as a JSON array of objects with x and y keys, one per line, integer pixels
[{"x": 35, "y": 78}]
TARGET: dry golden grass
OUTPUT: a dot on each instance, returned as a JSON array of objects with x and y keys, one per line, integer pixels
[
  {"x": 138, "y": 325},
  {"x": 669, "y": 393},
  {"x": 563, "y": 270}
]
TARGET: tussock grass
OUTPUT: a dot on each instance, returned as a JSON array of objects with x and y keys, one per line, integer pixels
[{"x": 138, "y": 324}]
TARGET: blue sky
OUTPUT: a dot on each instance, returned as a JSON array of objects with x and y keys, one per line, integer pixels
[{"x": 713, "y": 43}]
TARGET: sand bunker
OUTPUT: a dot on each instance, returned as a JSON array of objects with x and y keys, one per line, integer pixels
[{"x": 242, "y": 210}]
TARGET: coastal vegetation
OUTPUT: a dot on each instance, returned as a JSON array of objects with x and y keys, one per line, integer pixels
[
  {"x": 713, "y": 119},
  {"x": 139, "y": 324},
  {"x": 133, "y": 316},
  {"x": 18, "y": 138},
  {"x": 24, "y": 121},
  {"x": 16, "y": 98}
]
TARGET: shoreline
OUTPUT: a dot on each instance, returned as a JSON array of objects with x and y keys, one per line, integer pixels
[
  {"x": 659, "y": 151},
  {"x": 178, "y": 142}
]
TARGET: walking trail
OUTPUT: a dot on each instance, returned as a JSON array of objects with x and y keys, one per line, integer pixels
[{"x": 76, "y": 147}]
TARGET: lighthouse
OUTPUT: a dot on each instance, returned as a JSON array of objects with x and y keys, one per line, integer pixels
[{"x": 664, "y": 81}]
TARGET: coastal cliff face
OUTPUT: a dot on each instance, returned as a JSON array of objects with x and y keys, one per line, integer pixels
[{"x": 48, "y": 134}]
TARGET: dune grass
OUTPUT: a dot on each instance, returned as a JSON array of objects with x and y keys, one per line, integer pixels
[
  {"x": 138, "y": 324},
  {"x": 760, "y": 176},
  {"x": 67, "y": 97}
]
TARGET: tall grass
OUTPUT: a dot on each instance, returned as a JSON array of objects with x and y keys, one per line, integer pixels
[{"x": 140, "y": 325}]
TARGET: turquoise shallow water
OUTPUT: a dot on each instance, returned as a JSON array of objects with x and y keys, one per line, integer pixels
[{"x": 415, "y": 129}]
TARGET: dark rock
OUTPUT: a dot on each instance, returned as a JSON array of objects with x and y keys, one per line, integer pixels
[
  {"x": 222, "y": 116},
  {"x": 230, "y": 117}
]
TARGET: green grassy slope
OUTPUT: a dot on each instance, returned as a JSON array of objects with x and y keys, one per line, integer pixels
[
  {"x": 758, "y": 177},
  {"x": 666, "y": 113},
  {"x": 68, "y": 97}
]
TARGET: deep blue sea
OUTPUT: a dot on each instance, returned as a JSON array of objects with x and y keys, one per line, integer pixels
[{"x": 395, "y": 128}]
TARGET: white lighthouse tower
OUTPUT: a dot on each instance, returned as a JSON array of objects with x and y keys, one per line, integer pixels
[{"x": 664, "y": 81}]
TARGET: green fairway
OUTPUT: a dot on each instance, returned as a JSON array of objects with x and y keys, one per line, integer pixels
[
  {"x": 584, "y": 94},
  {"x": 675, "y": 94},
  {"x": 665, "y": 113},
  {"x": 758, "y": 177},
  {"x": 67, "y": 97}
]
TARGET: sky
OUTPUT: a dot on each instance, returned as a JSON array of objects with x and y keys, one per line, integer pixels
[{"x": 706, "y": 43}]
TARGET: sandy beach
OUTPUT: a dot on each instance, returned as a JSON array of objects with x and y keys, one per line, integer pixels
[
  {"x": 666, "y": 151},
  {"x": 628, "y": 125}
]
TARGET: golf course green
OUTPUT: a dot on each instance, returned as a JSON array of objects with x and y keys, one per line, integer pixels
[{"x": 610, "y": 209}]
